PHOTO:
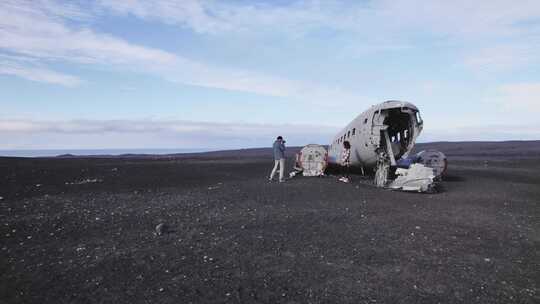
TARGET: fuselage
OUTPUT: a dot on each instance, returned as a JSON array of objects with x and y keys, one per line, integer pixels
[{"x": 391, "y": 127}]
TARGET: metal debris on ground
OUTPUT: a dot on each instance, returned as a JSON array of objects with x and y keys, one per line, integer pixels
[
  {"x": 161, "y": 229},
  {"x": 312, "y": 160},
  {"x": 85, "y": 181},
  {"x": 416, "y": 178},
  {"x": 344, "y": 179}
]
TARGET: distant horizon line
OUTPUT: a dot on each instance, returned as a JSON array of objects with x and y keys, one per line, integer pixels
[
  {"x": 259, "y": 147},
  {"x": 54, "y": 152}
]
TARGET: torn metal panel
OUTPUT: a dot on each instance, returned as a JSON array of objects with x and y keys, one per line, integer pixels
[{"x": 417, "y": 178}]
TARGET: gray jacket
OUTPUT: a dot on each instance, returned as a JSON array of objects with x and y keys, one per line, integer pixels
[{"x": 279, "y": 150}]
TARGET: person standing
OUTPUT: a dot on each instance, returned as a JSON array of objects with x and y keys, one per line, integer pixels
[
  {"x": 345, "y": 161},
  {"x": 279, "y": 159}
]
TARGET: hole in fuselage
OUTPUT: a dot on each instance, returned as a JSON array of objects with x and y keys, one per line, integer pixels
[{"x": 399, "y": 131}]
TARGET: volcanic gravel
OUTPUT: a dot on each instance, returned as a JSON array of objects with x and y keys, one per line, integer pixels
[{"x": 84, "y": 230}]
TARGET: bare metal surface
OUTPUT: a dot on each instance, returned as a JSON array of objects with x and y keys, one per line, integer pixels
[{"x": 417, "y": 178}]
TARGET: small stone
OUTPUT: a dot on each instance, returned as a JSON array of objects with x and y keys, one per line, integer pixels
[
  {"x": 487, "y": 260},
  {"x": 161, "y": 229}
]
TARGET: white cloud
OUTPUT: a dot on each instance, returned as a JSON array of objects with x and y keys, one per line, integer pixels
[
  {"x": 143, "y": 126},
  {"x": 503, "y": 57},
  {"x": 482, "y": 29},
  {"x": 462, "y": 17},
  {"x": 214, "y": 17},
  {"x": 27, "y": 28},
  {"x": 114, "y": 134},
  {"x": 157, "y": 133},
  {"x": 38, "y": 74},
  {"x": 39, "y": 31},
  {"x": 51, "y": 32},
  {"x": 189, "y": 13}
]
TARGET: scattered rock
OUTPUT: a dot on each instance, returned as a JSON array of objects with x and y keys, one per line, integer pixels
[
  {"x": 84, "y": 181},
  {"x": 161, "y": 229}
]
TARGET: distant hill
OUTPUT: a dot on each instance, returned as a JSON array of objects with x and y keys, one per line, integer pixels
[
  {"x": 485, "y": 148},
  {"x": 451, "y": 149}
]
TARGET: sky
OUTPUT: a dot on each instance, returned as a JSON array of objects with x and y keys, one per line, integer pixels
[{"x": 117, "y": 74}]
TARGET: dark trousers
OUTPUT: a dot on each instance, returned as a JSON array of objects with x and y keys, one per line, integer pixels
[{"x": 345, "y": 171}]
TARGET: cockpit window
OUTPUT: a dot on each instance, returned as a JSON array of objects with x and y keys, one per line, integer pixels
[{"x": 418, "y": 117}]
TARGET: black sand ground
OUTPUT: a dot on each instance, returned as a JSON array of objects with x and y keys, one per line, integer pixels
[{"x": 82, "y": 231}]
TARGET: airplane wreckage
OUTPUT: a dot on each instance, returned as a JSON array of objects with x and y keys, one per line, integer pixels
[{"x": 381, "y": 140}]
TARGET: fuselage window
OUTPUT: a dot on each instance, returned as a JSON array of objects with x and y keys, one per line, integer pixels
[
  {"x": 365, "y": 121},
  {"x": 348, "y": 134},
  {"x": 353, "y": 131}
]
